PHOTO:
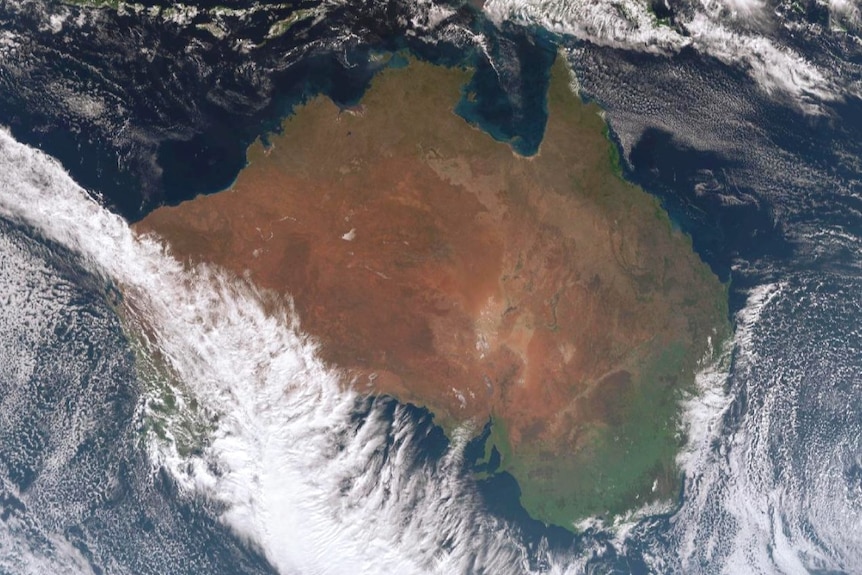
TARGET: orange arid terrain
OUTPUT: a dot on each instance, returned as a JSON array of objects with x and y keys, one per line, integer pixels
[{"x": 434, "y": 264}]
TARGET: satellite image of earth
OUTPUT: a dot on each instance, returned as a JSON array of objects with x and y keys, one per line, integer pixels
[{"x": 430, "y": 287}]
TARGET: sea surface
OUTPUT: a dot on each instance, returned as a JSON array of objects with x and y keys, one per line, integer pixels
[{"x": 156, "y": 420}]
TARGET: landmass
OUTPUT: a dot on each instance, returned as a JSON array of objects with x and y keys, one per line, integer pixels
[{"x": 433, "y": 263}]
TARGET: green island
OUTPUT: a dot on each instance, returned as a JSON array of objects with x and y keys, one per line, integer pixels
[{"x": 433, "y": 263}]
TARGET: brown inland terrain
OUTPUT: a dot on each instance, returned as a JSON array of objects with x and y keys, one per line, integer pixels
[{"x": 434, "y": 264}]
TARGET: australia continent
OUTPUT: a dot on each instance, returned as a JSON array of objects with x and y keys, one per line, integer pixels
[{"x": 433, "y": 263}]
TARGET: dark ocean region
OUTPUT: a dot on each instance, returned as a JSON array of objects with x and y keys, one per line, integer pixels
[
  {"x": 755, "y": 231},
  {"x": 698, "y": 186}
]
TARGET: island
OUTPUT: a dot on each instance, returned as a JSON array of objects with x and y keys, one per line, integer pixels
[{"x": 543, "y": 294}]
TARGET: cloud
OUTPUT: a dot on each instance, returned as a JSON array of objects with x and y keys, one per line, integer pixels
[{"x": 732, "y": 31}]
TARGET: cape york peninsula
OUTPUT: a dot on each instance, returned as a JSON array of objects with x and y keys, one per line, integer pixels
[{"x": 433, "y": 263}]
